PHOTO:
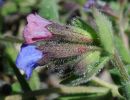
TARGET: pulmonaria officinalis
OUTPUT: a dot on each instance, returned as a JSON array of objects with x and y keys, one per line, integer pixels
[{"x": 68, "y": 43}]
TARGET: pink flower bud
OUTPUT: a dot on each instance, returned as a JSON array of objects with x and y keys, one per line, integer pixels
[{"x": 36, "y": 29}]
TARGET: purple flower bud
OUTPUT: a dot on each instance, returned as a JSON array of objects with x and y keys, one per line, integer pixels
[
  {"x": 89, "y": 4},
  {"x": 27, "y": 58}
]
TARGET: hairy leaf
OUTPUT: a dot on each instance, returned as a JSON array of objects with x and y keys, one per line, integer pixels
[{"x": 105, "y": 31}]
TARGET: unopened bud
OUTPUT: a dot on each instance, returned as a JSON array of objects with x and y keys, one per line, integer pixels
[
  {"x": 65, "y": 50},
  {"x": 70, "y": 33}
]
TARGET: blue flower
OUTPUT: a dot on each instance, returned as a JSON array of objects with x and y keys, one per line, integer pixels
[
  {"x": 27, "y": 59},
  {"x": 89, "y": 4}
]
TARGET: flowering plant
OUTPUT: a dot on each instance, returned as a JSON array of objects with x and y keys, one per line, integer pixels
[
  {"x": 41, "y": 30},
  {"x": 67, "y": 49}
]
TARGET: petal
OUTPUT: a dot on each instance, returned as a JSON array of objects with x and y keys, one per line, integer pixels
[
  {"x": 27, "y": 58},
  {"x": 36, "y": 29},
  {"x": 37, "y": 18},
  {"x": 29, "y": 70}
]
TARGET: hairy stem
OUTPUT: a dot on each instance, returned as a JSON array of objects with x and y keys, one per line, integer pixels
[
  {"x": 124, "y": 75},
  {"x": 118, "y": 62}
]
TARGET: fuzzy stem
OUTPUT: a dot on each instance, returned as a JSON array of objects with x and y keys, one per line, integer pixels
[
  {"x": 117, "y": 60},
  {"x": 124, "y": 75},
  {"x": 121, "y": 68}
]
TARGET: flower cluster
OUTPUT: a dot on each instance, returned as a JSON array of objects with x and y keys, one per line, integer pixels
[
  {"x": 29, "y": 55},
  {"x": 46, "y": 41}
]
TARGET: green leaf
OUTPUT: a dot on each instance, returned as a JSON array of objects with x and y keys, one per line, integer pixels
[
  {"x": 81, "y": 2},
  {"x": 11, "y": 50},
  {"x": 49, "y": 9},
  {"x": 105, "y": 31},
  {"x": 34, "y": 81},
  {"x": 116, "y": 75},
  {"x": 125, "y": 90},
  {"x": 24, "y": 10},
  {"x": 128, "y": 68},
  {"x": 9, "y": 8},
  {"x": 19, "y": 1},
  {"x": 123, "y": 52},
  {"x": 16, "y": 87},
  {"x": 26, "y": 3}
]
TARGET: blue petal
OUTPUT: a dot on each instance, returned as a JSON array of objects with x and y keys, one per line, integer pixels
[{"x": 27, "y": 58}]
